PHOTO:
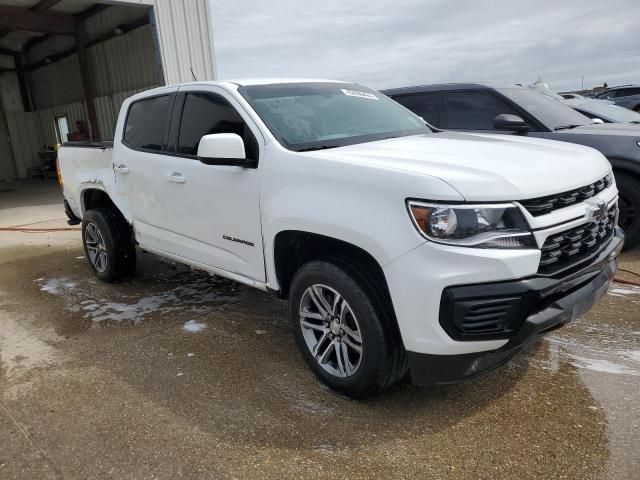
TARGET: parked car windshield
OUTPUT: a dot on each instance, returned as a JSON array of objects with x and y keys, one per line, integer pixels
[
  {"x": 317, "y": 115},
  {"x": 608, "y": 111},
  {"x": 552, "y": 113}
]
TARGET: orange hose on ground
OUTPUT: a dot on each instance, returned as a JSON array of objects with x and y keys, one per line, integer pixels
[{"x": 626, "y": 282}]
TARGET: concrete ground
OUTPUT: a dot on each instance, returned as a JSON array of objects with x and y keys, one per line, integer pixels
[{"x": 177, "y": 374}]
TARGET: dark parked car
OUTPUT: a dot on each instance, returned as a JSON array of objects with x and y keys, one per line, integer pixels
[
  {"x": 626, "y": 96},
  {"x": 525, "y": 111}
]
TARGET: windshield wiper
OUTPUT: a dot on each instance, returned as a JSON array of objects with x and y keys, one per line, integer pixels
[
  {"x": 566, "y": 127},
  {"x": 637, "y": 122},
  {"x": 321, "y": 147}
]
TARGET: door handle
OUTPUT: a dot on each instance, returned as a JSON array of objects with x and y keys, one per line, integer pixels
[
  {"x": 122, "y": 169},
  {"x": 176, "y": 177}
]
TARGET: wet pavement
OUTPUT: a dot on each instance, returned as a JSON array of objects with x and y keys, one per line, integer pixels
[{"x": 178, "y": 374}]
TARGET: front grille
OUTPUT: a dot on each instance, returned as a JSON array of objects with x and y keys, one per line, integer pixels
[
  {"x": 571, "y": 246},
  {"x": 544, "y": 205}
]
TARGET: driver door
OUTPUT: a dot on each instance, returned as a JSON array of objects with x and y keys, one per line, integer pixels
[{"x": 213, "y": 211}]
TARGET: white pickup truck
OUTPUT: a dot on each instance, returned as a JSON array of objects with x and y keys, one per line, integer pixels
[{"x": 399, "y": 247}]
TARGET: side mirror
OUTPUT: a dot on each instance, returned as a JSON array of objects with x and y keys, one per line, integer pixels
[
  {"x": 506, "y": 121},
  {"x": 597, "y": 120},
  {"x": 223, "y": 149}
]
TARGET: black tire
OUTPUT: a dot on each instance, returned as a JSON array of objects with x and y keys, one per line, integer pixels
[
  {"x": 383, "y": 359},
  {"x": 116, "y": 244},
  {"x": 629, "y": 201}
]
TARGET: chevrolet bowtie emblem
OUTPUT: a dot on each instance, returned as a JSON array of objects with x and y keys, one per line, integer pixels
[{"x": 597, "y": 211}]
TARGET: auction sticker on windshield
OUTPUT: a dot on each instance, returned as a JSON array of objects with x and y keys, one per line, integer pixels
[{"x": 356, "y": 93}]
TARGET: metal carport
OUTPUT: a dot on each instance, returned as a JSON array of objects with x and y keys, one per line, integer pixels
[{"x": 77, "y": 60}]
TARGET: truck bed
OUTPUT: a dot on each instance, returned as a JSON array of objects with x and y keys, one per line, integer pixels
[{"x": 82, "y": 165}]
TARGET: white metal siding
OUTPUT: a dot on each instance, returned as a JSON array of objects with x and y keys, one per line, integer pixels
[{"x": 185, "y": 40}]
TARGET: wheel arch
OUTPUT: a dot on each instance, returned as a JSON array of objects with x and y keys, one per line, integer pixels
[
  {"x": 625, "y": 165},
  {"x": 293, "y": 248},
  {"x": 93, "y": 197}
]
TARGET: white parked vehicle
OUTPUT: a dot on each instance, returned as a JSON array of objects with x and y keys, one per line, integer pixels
[{"x": 399, "y": 247}]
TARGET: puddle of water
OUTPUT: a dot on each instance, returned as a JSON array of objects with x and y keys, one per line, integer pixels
[
  {"x": 606, "y": 357},
  {"x": 601, "y": 365},
  {"x": 624, "y": 290},
  {"x": 193, "y": 326},
  {"x": 57, "y": 285},
  {"x": 192, "y": 290}
]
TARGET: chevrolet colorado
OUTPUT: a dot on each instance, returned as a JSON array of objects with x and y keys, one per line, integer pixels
[{"x": 398, "y": 247}]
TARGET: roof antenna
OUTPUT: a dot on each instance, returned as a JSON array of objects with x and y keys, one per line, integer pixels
[{"x": 194, "y": 75}]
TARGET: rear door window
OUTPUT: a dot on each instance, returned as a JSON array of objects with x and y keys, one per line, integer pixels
[
  {"x": 145, "y": 124},
  {"x": 426, "y": 105},
  {"x": 207, "y": 113},
  {"x": 473, "y": 110}
]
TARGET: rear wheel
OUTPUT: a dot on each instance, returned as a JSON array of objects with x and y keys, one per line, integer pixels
[
  {"x": 107, "y": 244},
  {"x": 629, "y": 204},
  {"x": 345, "y": 337}
]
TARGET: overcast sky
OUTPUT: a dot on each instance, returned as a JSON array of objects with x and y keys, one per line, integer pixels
[{"x": 386, "y": 43}]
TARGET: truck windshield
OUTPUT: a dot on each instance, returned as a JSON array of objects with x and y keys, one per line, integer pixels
[
  {"x": 552, "y": 113},
  {"x": 318, "y": 115}
]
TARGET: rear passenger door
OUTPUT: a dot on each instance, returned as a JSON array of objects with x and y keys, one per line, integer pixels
[
  {"x": 140, "y": 157},
  {"x": 473, "y": 111},
  {"x": 426, "y": 105}
]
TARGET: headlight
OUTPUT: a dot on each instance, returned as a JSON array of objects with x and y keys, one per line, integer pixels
[
  {"x": 638, "y": 143},
  {"x": 479, "y": 226},
  {"x": 609, "y": 180}
]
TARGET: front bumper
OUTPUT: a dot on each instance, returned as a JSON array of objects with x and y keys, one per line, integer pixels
[{"x": 549, "y": 303}]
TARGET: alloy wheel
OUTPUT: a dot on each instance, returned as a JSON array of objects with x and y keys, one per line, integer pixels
[
  {"x": 96, "y": 247},
  {"x": 330, "y": 330}
]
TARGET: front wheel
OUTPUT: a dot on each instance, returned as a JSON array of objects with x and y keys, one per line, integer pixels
[
  {"x": 346, "y": 338},
  {"x": 629, "y": 203}
]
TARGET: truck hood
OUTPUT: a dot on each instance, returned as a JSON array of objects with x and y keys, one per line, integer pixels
[{"x": 483, "y": 167}]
